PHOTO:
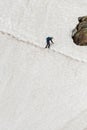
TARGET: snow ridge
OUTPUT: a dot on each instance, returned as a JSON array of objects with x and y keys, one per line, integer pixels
[{"x": 53, "y": 50}]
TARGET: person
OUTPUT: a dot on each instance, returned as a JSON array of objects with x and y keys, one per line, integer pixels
[{"x": 49, "y": 41}]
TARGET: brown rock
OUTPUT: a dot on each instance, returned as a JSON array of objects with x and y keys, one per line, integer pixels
[{"x": 79, "y": 34}]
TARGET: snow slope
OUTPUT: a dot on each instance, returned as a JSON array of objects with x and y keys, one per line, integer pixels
[
  {"x": 78, "y": 123},
  {"x": 39, "y": 88},
  {"x": 33, "y": 21}
]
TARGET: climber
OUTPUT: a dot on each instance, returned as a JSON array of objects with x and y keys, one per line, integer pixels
[{"x": 49, "y": 41}]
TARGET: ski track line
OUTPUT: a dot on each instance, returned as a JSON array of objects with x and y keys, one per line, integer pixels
[{"x": 52, "y": 50}]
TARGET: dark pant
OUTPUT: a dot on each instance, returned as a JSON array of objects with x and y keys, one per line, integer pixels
[{"x": 48, "y": 45}]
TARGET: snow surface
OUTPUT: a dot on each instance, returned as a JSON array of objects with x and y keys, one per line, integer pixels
[
  {"x": 41, "y": 89},
  {"x": 34, "y": 20},
  {"x": 79, "y": 123}
]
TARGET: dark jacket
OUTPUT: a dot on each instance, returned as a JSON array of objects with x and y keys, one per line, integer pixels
[{"x": 49, "y": 39}]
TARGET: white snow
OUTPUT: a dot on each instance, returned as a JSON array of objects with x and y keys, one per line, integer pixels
[
  {"x": 78, "y": 123},
  {"x": 42, "y": 89},
  {"x": 39, "y": 89},
  {"x": 33, "y": 21}
]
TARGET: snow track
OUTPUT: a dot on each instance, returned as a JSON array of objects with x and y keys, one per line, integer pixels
[{"x": 27, "y": 42}]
